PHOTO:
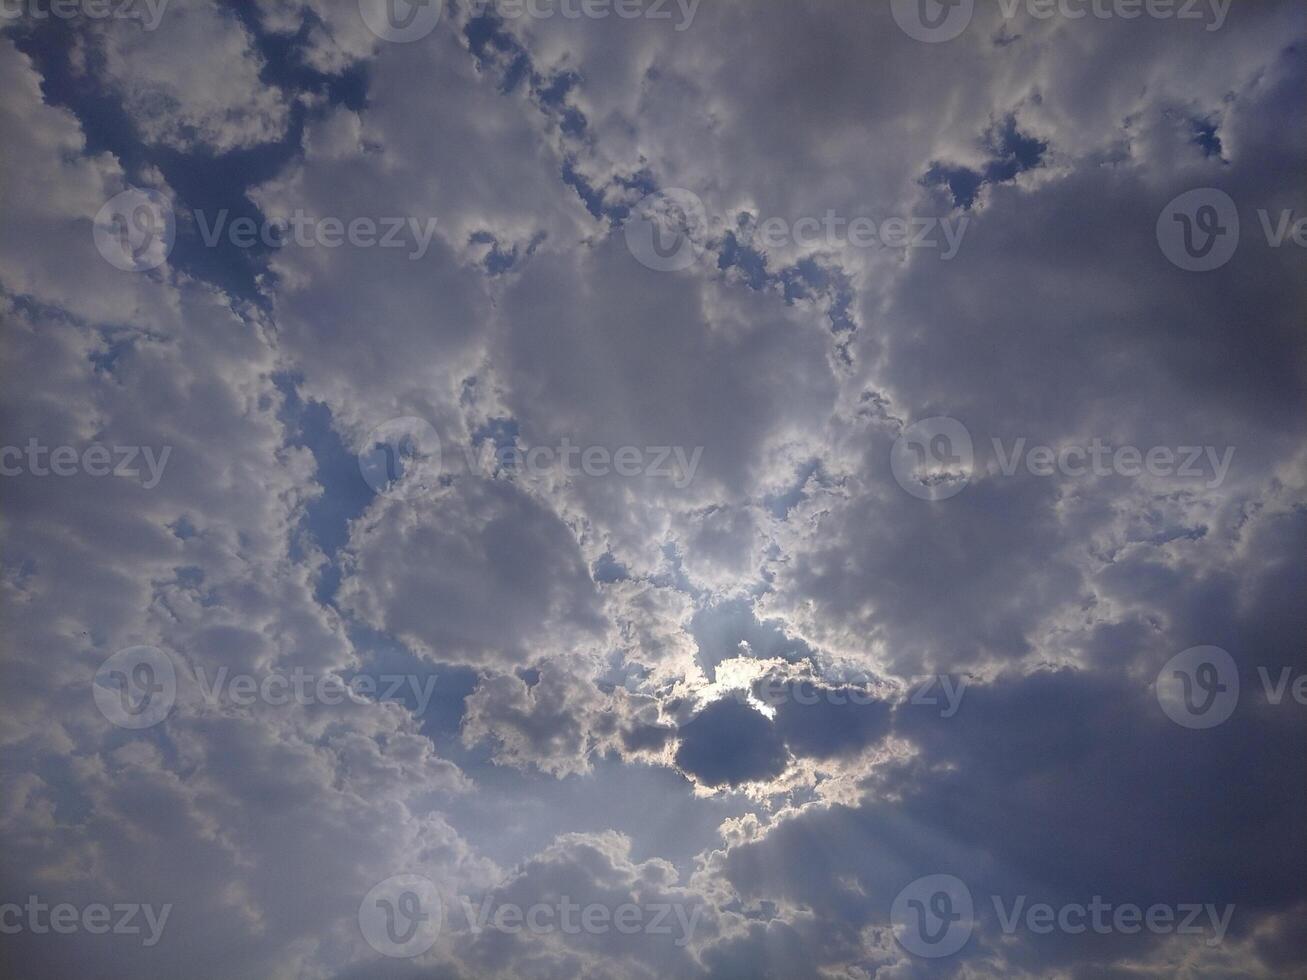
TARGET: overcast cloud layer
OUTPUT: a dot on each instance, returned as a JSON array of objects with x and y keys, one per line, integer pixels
[{"x": 648, "y": 489}]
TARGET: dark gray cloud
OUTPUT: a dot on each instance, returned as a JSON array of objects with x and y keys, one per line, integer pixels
[{"x": 729, "y": 743}]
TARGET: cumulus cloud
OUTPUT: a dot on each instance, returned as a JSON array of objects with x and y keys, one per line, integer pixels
[{"x": 193, "y": 81}]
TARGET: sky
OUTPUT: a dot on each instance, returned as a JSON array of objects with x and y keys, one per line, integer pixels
[{"x": 653, "y": 488}]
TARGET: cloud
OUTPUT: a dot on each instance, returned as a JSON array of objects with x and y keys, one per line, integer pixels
[
  {"x": 729, "y": 743},
  {"x": 192, "y": 83}
]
